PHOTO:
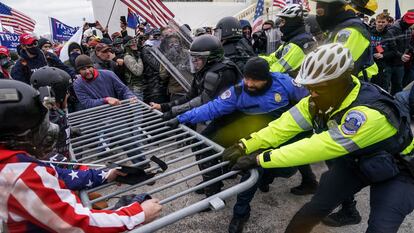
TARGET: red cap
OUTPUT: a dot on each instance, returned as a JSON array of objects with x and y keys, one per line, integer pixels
[
  {"x": 27, "y": 39},
  {"x": 409, "y": 17},
  {"x": 4, "y": 50}
]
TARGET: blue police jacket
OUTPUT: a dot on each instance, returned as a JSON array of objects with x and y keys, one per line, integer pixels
[{"x": 282, "y": 94}]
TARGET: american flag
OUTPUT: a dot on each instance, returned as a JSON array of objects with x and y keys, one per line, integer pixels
[
  {"x": 258, "y": 16},
  {"x": 282, "y": 3},
  {"x": 153, "y": 11},
  {"x": 279, "y": 3},
  {"x": 20, "y": 22},
  {"x": 42, "y": 196}
]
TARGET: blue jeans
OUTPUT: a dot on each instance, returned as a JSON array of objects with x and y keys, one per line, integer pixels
[{"x": 266, "y": 176}]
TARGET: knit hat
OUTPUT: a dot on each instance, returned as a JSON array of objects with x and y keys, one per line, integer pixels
[
  {"x": 73, "y": 46},
  {"x": 42, "y": 41},
  {"x": 83, "y": 61},
  {"x": 257, "y": 68}
]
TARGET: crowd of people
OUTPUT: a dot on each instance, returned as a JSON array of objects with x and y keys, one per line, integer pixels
[{"x": 331, "y": 87}]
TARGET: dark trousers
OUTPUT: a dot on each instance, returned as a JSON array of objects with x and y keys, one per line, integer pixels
[
  {"x": 383, "y": 78},
  {"x": 397, "y": 75},
  {"x": 211, "y": 189},
  {"x": 390, "y": 202},
  {"x": 307, "y": 174},
  {"x": 266, "y": 176}
]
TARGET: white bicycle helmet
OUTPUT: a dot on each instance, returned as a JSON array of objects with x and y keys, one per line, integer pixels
[
  {"x": 327, "y": 62},
  {"x": 292, "y": 11}
]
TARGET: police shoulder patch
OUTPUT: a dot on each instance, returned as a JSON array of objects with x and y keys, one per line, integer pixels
[
  {"x": 278, "y": 98},
  {"x": 353, "y": 121},
  {"x": 286, "y": 49},
  {"x": 343, "y": 36},
  {"x": 225, "y": 95}
]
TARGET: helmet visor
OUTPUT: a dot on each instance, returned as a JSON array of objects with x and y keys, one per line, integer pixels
[
  {"x": 197, "y": 62},
  {"x": 218, "y": 33}
]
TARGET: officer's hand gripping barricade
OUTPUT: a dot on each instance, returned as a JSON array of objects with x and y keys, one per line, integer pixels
[{"x": 129, "y": 135}]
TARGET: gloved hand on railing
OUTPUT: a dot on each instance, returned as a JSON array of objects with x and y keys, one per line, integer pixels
[
  {"x": 167, "y": 116},
  {"x": 233, "y": 153},
  {"x": 173, "y": 123},
  {"x": 246, "y": 162}
]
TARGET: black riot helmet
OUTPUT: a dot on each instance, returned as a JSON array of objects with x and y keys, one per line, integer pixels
[
  {"x": 57, "y": 79},
  {"x": 24, "y": 121},
  {"x": 228, "y": 28},
  {"x": 205, "y": 49}
]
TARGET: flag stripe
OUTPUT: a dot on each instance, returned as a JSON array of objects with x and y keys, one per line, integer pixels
[
  {"x": 158, "y": 14},
  {"x": 165, "y": 10},
  {"x": 16, "y": 19},
  {"x": 142, "y": 11},
  {"x": 154, "y": 11}
]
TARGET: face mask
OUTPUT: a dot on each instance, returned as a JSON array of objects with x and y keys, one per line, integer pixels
[
  {"x": 5, "y": 63},
  {"x": 33, "y": 51},
  {"x": 50, "y": 51}
]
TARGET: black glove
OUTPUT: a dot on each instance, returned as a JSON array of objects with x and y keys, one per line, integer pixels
[
  {"x": 165, "y": 107},
  {"x": 233, "y": 153},
  {"x": 245, "y": 163},
  {"x": 173, "y": 123},
  {"x": 134, "y": 175},
  {"x": 129, "y": 199},
  {"x": 75, "y": 132},
  {"x": 167, "y": 116}
]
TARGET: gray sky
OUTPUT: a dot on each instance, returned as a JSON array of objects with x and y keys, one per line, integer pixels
[{"x": 70, "y": 12}]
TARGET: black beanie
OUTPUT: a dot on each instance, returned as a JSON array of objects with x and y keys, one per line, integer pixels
[
  {"x": 73, "y": 46},
  {"x": 83, "y": 61},
  {"x": 43, "y": 41},
  {"x": 257, "y": 68}
]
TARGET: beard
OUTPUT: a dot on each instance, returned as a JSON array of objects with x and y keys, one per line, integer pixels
[{"x": 257, "y": 91}]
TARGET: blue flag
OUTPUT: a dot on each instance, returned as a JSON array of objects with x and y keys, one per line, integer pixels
[
  {"x": 132, "y": 20},
  {"x": 9, "y": 40},
  {"x": 397, "y": 10},
  {"x": 61, "y": 31}
]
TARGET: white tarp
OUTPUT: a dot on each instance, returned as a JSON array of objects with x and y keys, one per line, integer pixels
[{"x": 77, "y": 37}]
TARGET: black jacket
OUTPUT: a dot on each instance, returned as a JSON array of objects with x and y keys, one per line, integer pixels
[
  {"x": 382, "y": 40},
  {"x": 155, "y": 90},
  {"x": 400, "y": 41}
]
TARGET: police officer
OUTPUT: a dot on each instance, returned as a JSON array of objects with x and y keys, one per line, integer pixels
[
  {"x": 342, "y": 25},
  {"x": 338, "y": 19},
  {"x": 236, "y": 47},
  {"x": 260, "y": 97},
  {"x": 26, "y": 135},
  {"x": 213, "y": 74},
  {"x": 288, "y": 59},
  {"x": 297, "y": 42},
  {"x": 357, "y": 125}
]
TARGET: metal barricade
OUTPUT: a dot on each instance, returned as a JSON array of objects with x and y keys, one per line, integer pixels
[{"x": 134, "y": 132}]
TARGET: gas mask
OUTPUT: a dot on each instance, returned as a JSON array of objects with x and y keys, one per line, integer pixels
[{"x": 44, "y": 137}]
